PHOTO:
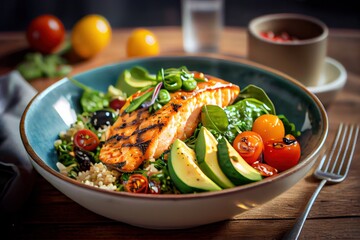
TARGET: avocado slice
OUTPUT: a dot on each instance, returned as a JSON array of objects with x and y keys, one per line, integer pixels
[
  {"x": 206, "y": 155},
  {"x": 129, "y": 84},
  {"x": 234, "y": 166},
  {"x": 185, "y": 173}
]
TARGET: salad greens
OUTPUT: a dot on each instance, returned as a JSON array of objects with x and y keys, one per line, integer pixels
[
  {"x": 165, "y": 81},
  {"x": 251, "y": 103},
  {"x": 136, "y": 103},
  {"x": 37, "y": 65},
  {"x": 228, "y": 122},
  {"x": 252, "y": 91},
  {"x": 93, "y": 100}
]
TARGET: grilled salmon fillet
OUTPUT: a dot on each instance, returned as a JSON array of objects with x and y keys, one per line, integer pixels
[{"x": 140, "y": 135}]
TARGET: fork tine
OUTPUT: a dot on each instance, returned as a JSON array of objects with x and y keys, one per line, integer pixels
[
  {"x": 346, "y": 149},
  {"x": 340, "y": 156},
  {"x": 338, "y": 148},
  {"x": 351, "y": 143},
  {"x": 333, "y": 149}
]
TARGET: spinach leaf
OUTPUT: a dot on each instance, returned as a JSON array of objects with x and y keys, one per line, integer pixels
[
  {"x": 91, "y": 100},
  {"x": 252, "y": 91},
  {"x": 214, "y": 117},
  {"x": 289, "y": 126},
  {"x": 242, "y": 114}
]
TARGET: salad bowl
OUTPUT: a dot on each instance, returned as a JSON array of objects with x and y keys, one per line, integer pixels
[{"x": 54, "y": 109}]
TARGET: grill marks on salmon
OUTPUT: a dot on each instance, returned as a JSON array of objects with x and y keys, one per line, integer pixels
[{"x": 140, "y": 135}]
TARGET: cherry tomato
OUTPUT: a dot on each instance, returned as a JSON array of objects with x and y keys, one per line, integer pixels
[
  {"x": 249, "y": 145},
  {"x": 117, "y": 104},
  {"x": 269, "y": 127},
  {"x": 264, "y": 169},
  {"x": 86, "y": 139},
  {"x": 45, "y": 33},
  {"x": 142, "y": 42},
  {"x": 90, "y": 35},
  {"x": 283, "y": 153},
  {"x": 137, "y": 183}
]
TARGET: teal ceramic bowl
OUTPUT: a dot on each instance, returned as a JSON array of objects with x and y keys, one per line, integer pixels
[{"x": 54, "y": 109}]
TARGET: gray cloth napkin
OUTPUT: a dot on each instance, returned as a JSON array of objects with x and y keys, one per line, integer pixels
[{"x": 16, "y": 171}]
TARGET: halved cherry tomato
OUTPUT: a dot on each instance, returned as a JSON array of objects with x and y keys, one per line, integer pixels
[
  {"x": 137, "y": 183},
  {"x": 269, "y": 127},
  {"x": 283, "y": 153},
  {"x": 249, "y": 145},
  {"x": 86, "y": 139},
  {"x": 264, "y": 169},
  {"x": 117, "y": 104},
  {"x": 45, "y": 33}
]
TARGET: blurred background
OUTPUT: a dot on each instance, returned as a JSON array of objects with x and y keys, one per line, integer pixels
[{"x": 15, "y": 15}]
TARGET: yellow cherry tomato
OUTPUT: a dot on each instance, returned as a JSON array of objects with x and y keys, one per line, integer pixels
[
  {"x": 269, "y": 127},
  {"x": 141, "y": 43},
  {"x": 90, "y": 35}
]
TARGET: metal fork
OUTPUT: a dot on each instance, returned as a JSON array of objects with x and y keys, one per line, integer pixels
[{"x": 333, "y": 168}]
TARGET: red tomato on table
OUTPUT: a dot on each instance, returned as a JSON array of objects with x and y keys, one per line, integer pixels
[{"x": 45, "y": 33}]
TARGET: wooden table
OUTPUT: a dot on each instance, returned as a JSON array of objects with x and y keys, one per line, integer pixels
[{"x": 336, "y": 214}]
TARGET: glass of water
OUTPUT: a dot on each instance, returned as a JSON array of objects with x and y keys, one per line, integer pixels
[{"x": 202, "y": 23}]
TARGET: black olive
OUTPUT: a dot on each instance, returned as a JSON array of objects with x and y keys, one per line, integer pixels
[
  {"x": 84, "y": 159},
  {"x": 102, "y": 118}
]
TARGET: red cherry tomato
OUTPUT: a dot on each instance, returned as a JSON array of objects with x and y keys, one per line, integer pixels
[
  {"x": 282, "y": 154},
  {"x": 117, "y": 104},
  {"x": 264, "y": 169},
  {"x": 137, "y": 183},
  {"x": 249, "y": 145},
  {"x": 86, "y": 140},
  {"x": 269, "y": 127},
  {"x": 45, "y": 33}
]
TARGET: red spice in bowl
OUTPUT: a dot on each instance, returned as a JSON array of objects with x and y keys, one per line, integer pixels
[{"x": 278, "y": 37}]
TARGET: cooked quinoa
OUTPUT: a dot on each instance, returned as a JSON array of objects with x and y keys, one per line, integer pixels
[{"x": 98, "y": 176}]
